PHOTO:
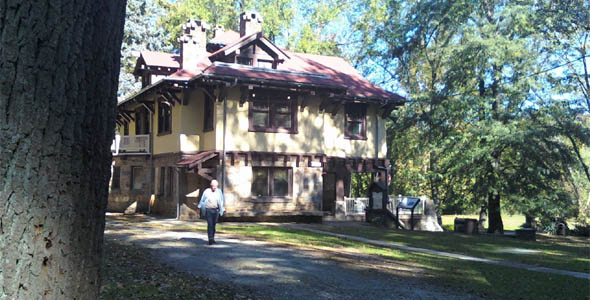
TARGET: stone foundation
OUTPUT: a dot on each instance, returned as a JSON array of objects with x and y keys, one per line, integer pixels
[
  {"x": 125, "y": 198},
  {"x": 168, "y": 190},
  {"x": 306, "y": 196}
]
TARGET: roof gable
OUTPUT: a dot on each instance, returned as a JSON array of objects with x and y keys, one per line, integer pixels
[{"x": 256, "y": 38}]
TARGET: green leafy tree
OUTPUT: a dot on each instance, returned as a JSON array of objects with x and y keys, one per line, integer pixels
[
  {"x": 479, "y": 135},
  {"x": 318, "y": 33},
  {"x": 277, "y": 15}
]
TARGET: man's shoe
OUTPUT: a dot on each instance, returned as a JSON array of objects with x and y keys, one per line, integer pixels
[
  {"x": 214, "y": 242},
  {"x": 211, "y": 242}
]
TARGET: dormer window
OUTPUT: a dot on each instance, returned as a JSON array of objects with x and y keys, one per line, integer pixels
[
  {"x": 272, "y": 111},
  {"x": 244, "y": 61},
  {"x": 263, "y": 63}
]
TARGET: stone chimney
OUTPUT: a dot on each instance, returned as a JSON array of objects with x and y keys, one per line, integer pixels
[
  {"x": 250, "y": 22},
  {"x": 193, "y": 43}
]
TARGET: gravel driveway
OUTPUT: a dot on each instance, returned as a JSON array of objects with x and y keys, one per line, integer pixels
[{"x": 283, "y": 272}]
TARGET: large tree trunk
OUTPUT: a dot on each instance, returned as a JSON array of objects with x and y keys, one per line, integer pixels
[
  {"x": 434, "y": 187},
  {"x": 483, "y": 212},
  {"x": 494, "y": 214},
  {"x": 59, "y": 64}
]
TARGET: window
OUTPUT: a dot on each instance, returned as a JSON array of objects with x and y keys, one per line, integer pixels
[
  {"x": 162, "y": 180},
  {"x": 170, "y": 181},
  {"x": 272, "y": 182},
  {"x": 208, "y": 114},
  {"x": 136, "y": 178},
  {"x": 116, "y": 178},
  {"x": 244, "y": 61},
  {"x": 355, "y": 121},
  {"x": 164, "y": 119},
  {"x": 126, "y": 128},
  {"x": 142, "y": 121},
  {"x": 262, "y": 63},
  {"x": 273, "y": 111}
]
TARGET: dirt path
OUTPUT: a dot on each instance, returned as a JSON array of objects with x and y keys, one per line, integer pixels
[{"x": 281, "y": 272}]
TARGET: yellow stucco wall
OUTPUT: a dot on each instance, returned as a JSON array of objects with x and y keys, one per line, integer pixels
[
  {"x": 187, "y": 127},
  {"x": 131, "y": 129},
  {"x": 317, "y": 132},
  {"x": 167, "y": 143}
]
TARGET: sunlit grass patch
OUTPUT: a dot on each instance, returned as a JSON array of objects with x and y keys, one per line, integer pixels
[
  {"x": 510, "y": 222},
  {"x": 486, "y": 280},
  {"x": 548, "y": 252}
]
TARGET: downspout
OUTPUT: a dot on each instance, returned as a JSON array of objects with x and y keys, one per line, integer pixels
[
  {"x": 177, "y": 191},
  {"x": 153, "y": 175},
  {"x": 177, "y": 170},
  {"x": 376, "y": 134},
  {"x": 223, "y": 150}
]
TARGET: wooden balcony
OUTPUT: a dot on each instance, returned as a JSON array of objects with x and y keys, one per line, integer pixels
[{"x": 131, "y": 145}]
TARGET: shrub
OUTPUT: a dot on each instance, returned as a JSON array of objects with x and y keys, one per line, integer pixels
[{"x": 581, "y": 230}]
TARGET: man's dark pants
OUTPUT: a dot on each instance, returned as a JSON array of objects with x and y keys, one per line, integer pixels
[{"x": 212, "y": 216}]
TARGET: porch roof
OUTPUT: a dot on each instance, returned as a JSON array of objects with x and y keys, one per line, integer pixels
[{"x": 196, "y": 159}]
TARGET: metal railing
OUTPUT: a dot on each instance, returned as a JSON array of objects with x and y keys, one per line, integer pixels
[
  {"x": 356, "y": 206},
  {"x": 131, "y": 144}
]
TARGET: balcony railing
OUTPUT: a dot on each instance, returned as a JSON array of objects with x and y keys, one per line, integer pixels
[{"x": 131, "y": 144}]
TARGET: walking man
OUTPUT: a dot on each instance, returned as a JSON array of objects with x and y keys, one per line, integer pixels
[{"x": 212, "y": 206}]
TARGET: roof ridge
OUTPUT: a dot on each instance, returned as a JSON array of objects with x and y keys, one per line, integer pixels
[{"x": 159, "y": 52}]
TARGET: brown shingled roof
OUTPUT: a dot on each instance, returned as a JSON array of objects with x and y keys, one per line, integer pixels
[
  {"x": 320, "y": 70},
  {"x": 160, "y": 59},
  {"x": 340, "y": 72}
]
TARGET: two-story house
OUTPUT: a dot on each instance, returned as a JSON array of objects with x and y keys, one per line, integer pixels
[{"x": 281, "y": 131}]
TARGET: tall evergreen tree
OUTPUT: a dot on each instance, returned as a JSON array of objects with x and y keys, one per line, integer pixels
[{"x": 142, "y": 32}]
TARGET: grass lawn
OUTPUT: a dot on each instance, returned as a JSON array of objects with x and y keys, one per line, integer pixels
[
  {"x": 566, "y": 253},
  {"x": 511, "y": 222},
  {"x": 489, "y": 281},
  {"x": 130, "y": 272}
]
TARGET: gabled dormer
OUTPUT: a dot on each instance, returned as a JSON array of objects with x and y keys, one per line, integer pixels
[
  {"x": 151, "y": 66},
  {"x": 252, "y": 48}
]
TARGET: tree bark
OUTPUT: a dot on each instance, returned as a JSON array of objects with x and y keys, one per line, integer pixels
[
  {"x": 495, "y": 223},
  {"x": 483, "y": 212},
  {"x": 59, "y": 65},
  {"x": 530, "y": 222}
]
